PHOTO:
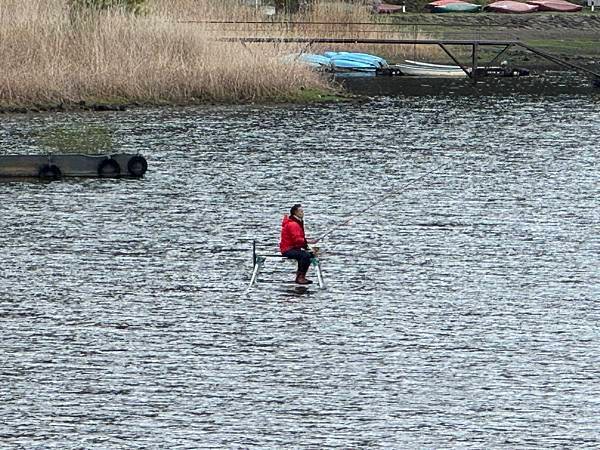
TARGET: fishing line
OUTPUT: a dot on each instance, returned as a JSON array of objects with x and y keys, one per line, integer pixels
[{"x": 391, "y": 192}]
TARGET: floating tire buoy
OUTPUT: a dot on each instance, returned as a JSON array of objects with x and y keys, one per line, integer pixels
[
  {"x": 109, "y": 168},
  {"x": 137, "y": 166},
  {"x": 50, "y": 172}
]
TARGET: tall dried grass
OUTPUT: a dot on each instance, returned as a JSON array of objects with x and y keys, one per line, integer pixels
[
  {"x": 50, "y": 58},
  {"x": 329, "y": 19},
  {"x": 114, "y": 57}
]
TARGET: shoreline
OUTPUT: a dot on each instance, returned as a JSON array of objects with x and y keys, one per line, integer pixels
[
  {"x": 344, "y": 96},
  {"x": 336, "y": 94},
  {"x": 308, "y": 97},
  {"x": 121, "y": 62}
]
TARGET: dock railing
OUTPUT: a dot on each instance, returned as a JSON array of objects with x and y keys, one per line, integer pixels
[{"x": 445, "y": 43}]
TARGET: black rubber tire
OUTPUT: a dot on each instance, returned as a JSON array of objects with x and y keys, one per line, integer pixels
[
  {"x": 137, "y": 166},
  {"x": 109, "y": 168},
  {"x": 50, "y": 172}
]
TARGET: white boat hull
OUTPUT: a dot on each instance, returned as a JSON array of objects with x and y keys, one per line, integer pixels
[{"x": 421, "y": 69}]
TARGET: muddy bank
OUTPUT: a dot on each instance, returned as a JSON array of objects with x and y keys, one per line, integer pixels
[
  {"x": 64, "y": 107},
  {"x": 305, "y": 96}
]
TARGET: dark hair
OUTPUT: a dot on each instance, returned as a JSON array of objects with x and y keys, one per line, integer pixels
[{"x": 294, "y": 208}]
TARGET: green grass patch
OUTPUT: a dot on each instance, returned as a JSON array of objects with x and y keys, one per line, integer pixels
[
  {"x": 568, "y": 47},
  {"x": 88, "y": 139}
]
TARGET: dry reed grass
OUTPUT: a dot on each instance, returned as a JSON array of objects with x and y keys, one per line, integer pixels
[
  {"x": 49, "y": 59},
  {"x": 123, "y": 59},
  {"x": 328, "y": 19}
]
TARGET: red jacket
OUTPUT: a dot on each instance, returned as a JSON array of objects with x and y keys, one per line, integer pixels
[{"x": 292, "y": 234}]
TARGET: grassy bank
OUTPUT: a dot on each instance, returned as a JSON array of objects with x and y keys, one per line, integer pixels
[
  {"x": 53, "y": 60},
  {"x": 172, "y": 55}
]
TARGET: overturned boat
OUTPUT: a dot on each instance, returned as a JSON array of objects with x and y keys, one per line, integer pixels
[
  {"x": 385, "y": 8},
  {"x": 423, "y": 69},
  {"x": 555, "y": 5},
  {"x": 455, "y": 7},
  {"x": 364, "y": 64},
  {"x": 511, "y": 7},
  {"x": 341, "y": 62}
]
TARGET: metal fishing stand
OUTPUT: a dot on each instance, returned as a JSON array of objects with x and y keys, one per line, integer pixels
[{"x": 259, "y": 260}]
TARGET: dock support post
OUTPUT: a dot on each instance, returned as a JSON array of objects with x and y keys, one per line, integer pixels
[
  {"x": 453, "y": 58},
  {"x": 499, "y": 55},
  {"x": 474, "y": 62}
]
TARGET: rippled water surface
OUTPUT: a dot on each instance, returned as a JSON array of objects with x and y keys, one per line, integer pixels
[{"x": 461, "y": 312}]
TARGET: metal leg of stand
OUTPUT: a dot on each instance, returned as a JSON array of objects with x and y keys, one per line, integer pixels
[
  {"x": 317, "y": 265},
  {"x": 257, "y": 266}
]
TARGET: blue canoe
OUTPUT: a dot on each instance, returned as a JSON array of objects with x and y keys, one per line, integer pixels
[
  {"x": 340, "y": 61},
  {"x": 317, "y": 60},
  {"x": 376, "y": 61},
  {"x": 352, "y": 65},
  {"x": 310, "y": 59}
]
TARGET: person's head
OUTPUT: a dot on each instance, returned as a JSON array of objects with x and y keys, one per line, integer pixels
[{"x": 297, "y": 211}]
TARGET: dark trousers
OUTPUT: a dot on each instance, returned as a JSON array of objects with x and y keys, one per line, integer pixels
[{"x": 302, "y": 256}]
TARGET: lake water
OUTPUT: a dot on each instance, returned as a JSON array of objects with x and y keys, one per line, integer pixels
[{"x": 461, "y": 312}]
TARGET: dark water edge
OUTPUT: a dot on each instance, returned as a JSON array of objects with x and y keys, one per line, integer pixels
[
  {"x": 461, "y": 313},
  {"x": 543, "y": 83}
]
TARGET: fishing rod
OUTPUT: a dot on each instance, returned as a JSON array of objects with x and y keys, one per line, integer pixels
[{"x": 381, "y": 200}]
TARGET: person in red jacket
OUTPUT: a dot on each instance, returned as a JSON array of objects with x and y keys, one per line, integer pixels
[{"x": 294, "y": 244}]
